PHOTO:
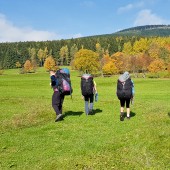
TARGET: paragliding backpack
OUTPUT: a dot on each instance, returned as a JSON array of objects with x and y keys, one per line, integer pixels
[
  {"x": 87, "y": 84},
  {"x": 124, "y": 89},
  {"x": 64, "y": 82}
]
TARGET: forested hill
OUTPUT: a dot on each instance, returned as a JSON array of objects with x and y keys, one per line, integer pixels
[
  {"x": 17, "y": 53},
  {"x": 147, "y": 30}
]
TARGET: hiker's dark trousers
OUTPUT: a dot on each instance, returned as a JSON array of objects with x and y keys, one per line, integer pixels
[
  {"x": 123, "y": 101},
  {"x": 57, "y": 102},
  {"x": 89, "y": 97}
]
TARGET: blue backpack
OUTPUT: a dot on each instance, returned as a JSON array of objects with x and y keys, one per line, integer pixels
[{"x": 64, "y": 82}]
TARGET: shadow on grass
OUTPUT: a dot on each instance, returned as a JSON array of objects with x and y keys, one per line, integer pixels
[
  {"x": 132, "y": 114},
  {"x": 169, "y": 114},
  {"x": 71, "y": 113},
  {"x": 96, "y": 111}
]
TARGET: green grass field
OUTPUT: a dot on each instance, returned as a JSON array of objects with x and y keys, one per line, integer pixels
[{"x": 30, "y": 139}]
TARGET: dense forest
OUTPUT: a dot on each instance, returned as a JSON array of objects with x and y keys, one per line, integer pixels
[
  {"x": 135, "y": 53},
  {"x": 10, "y": 53}
]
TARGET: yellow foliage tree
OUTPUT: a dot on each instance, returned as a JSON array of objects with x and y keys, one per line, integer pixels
[
  {"x": 18, "y": 64},
  {"x": 49, "y": 63},
  {"x": 154, "y": 50},
  {"x": 140, "y": 46},
  {"x": 40, "y": 55},
  {"x": 143, "y": 61},
  {"x": 32, "y": 55},
  {"x": 109, "y": 67},
  {"x": 86, "y": 60},
  {"x": 168, "y": 67},
  {"x": 106, "y": 58},
  {"x": 156, "y": 66},
  {"x": 64, "y": 55},
  {"x": 120, "y": 61},
  {"x": 99, "y": 50},
  {"x": 127, "y": 48},
  {"x": 28, "y": 66}
]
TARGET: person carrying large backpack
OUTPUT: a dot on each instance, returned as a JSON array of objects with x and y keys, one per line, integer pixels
[
  {"x": 61, "y": 84},
  {"x": 125, "y": 93},
  {"x": 88, "y": 89}
]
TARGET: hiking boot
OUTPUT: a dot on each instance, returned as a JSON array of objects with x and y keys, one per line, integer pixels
[
  {"x": 59, "y": 117},
  {"x": 121, "y": 116},
  {"x": 90, "y": 112}
]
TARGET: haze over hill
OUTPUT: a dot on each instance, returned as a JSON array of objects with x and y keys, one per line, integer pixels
[{"x": 146, "y": 30}]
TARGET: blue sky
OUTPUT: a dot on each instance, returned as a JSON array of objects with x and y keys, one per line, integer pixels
[{"x": 41, "y": 20}]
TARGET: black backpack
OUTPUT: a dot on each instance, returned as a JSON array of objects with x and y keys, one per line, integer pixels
[
  {"x": 64, "y": 82},
  {"x": 124, "y": 89},
  {"x": 87, "y": 84}
]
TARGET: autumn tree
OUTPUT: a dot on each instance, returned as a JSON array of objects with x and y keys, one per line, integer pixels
[
  {"x": 168, "y": 68},
  {"x": 140, "y": 46},
  {"x": 121, "y": 61},
  {"x": 143, "y": 61},
  {"x": 64, "y": 55},
  {"x": 86, "y": 60},
  {"x": 127, "y": 48},
  {"x": 18, "y": 64},
  {"x": 49, "y": 63},
  {"x": 42, "y": 55},
  {"x": 32, "y": 54},
  {"x": 156, "y": 66},
  {"x": 100, "y": 52},
  {"x": 153, "y": 50},
  {"x": 133, "y": 64},
  {"x": 28, "y": 66},
  {"x": 109, "y": 67},
  {"x": 164, "y": 54},
  {"x": 73, "y": 51},
  {"x": 45, "y": 52},
  {"x": 167, "y": 47}
]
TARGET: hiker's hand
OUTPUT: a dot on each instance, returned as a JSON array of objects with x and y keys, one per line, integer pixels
[{"x": 82, "y": 97}]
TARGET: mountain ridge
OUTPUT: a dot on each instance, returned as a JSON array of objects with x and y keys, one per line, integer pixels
[{"x": 145, "y": 30}]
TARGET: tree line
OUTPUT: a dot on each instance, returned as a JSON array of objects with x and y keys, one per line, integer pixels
[{"x": 105, "y": 55}]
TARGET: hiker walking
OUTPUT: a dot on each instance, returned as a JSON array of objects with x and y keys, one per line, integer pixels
[
  {"x": 61, "y": 84},
  {"x": 125, "y": 93},
  {"x": 88, "y": 89}
]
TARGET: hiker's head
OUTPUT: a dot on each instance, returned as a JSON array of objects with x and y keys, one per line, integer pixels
[
  {"x": 52, "y": 72},
  {"x": 124, "y": 76}
]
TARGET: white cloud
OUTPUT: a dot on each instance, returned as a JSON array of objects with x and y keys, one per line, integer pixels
[
  {"x": 125, "y": 8},
  {"x": 146, "y": 17},
  {"x": 129, "y": 7},
  {"x": 11, "y": 33}
]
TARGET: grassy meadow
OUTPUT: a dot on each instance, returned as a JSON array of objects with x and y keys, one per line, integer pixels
[{"x": 31, "y": 139}]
